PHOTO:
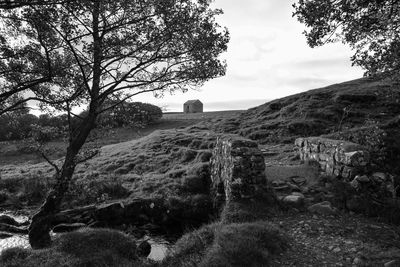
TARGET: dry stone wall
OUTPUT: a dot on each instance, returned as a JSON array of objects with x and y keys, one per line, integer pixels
[
  {"x": 350, "y": 162},
  {"x": 237, "y": 169},
  {"x": 335, "y": 157}
]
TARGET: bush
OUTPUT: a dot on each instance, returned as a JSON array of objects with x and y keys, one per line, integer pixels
[
  {"x": 43, "y": 134},
  {"x": 16, "y": 126},
  {"x": 133, "y": 114}
]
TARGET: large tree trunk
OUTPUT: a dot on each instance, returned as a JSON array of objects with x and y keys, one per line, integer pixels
[
  {"x": 41, "y": 224},
  {"x": 39, "y": 230}
]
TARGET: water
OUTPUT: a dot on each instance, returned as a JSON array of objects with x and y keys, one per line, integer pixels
[
  {"x": 159, "y": 246},
  {"x": 16, "y": 240}
]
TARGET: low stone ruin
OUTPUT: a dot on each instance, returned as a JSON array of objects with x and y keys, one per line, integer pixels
[
  {"x": 349, "y": 162},
  {"x": 237, "y": 169},
  {"x": 335, "y": 157}
]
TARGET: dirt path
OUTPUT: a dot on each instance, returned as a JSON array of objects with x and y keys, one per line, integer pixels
[{"x": 341, "y": 240}]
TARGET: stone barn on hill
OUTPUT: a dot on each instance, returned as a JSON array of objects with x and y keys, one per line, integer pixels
[{"x": 193, "y": 106}]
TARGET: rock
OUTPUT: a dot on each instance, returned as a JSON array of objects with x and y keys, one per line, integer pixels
[
  {"x": 4, "y": 235},
  {"x": 393, "y": 263},
  {"x": 358, "y": 262},
  {"x": 336, "y": 250},
  {"x": 294, "y": 187},
  {"x": 12, "y": 229},
  {"x": 355, "y": 158},
  {"x": 323, "y": 208},
  {"x": 8, "y": 220},
  {"x": 298, "y": 194},
  {"x": 379, "y": 176},
  {"x": 144, "y": 249},
  {"x": 281, "y": 188},
  {"x": 65, "y": 227},
  {"x": 293, "y": 200},
  {"x": 355, "y": 184},
  {"x": 362, "y": 178},
  {"x": 298, "y": 180},
  {"x": 353, "y": 250},
  {"x": 304, "y": 189}
]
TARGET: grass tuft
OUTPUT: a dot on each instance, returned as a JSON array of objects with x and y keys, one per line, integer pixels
[
  {"x": 245, "y": 244},
  {"x": 86, "y": 247},
  {"x": 236, "y": 244}
]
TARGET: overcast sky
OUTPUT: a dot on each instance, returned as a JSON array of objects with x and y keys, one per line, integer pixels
[{"x": 267, "y": 58}]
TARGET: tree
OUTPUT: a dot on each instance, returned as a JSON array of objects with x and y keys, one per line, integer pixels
[
  {"x": 370, "y": 27},
  {"x": 107, "y": 51},
  {"x": 133, "y": 114}
]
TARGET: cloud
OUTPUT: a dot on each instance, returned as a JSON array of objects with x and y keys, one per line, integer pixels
[{"x": 323, "y": 63}]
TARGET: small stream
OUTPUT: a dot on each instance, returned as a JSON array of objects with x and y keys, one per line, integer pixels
[
  {"x": 16, "y": 240},
  {"x": 159, "y": 245}
]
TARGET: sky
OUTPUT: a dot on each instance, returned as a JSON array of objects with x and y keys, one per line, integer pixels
[{"x": 267, "y": 58}]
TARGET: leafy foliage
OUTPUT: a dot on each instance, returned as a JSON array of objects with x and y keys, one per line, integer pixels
[
  {"x": 130, "y": 114},
  {"x": 371, "y": 27},
  {"x": 93, "y": 52}
]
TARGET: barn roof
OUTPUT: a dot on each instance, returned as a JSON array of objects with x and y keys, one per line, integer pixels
[{"x": 192, "y": 101}]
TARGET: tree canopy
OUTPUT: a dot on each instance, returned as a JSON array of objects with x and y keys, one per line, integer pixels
[
  {"x": 370, "y": 27},
  {"x": 96, "y": 52}
]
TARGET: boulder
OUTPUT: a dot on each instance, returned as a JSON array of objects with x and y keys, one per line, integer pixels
[
  {"x": 295, "y": 201},
  {"x": 322, "y": 208}
]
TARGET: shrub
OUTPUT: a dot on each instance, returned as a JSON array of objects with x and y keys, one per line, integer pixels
[
  {"x": 16, "y": 126},
  {"x": 43, "y": 134},
  {"x": 132, "y": 114}
]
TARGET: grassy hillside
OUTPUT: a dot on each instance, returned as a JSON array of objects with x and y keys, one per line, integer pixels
[
  {"x": 15, "y": 152},
  {"x": 170, "y": 165},
  {"x": 321, "y": 111}
]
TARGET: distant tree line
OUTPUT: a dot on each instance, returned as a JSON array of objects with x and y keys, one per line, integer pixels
[{"x": 20, "y": 124}]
